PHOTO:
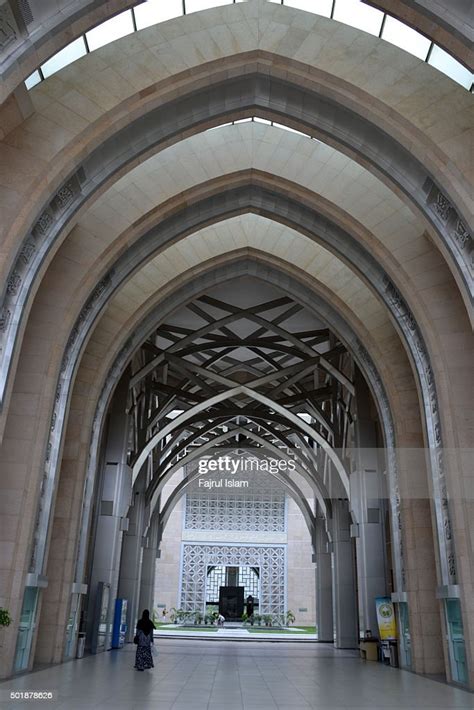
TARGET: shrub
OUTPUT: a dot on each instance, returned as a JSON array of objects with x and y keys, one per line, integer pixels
[{"x": 5, "y": 618}]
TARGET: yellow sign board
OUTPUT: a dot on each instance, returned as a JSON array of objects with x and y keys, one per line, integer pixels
[{"x": 386, "y": 618}]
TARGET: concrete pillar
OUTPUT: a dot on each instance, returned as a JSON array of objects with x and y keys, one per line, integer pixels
[
  {"x": 147, "y": 584},
  {"x": 344, "y": 587},
  {"x": 115, "y": 495},
  {"x": 368, "y": 503},
  {"x": 131, "y": 560},
  {"x": 324, "y": 608}
]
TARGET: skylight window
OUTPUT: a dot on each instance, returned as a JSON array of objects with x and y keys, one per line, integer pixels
[
  {"x": 69, "y": 54},
  {"x": 356, "y": 14},
  {"x": 406, "y": 38},
  {"x": 318, "y": 7},
  {"x": 448, "y": 65},
  {"x": 287, "y": 128},
  {"x": 154, "y": 11},
  {"x": 108, "y": 31},
  {"x": 221, "y": 125},
  {"x": 32, "y": 80},
  {"x": 352, "y": 12},
  {"x": 196, "y": 5}
]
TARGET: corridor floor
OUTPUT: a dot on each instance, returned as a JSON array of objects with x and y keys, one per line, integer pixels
[{"x": 198, "y": 675}]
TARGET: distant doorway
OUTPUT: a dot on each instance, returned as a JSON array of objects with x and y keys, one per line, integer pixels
[
  {"x": 228, "y": 586},
  {"x": 231, "y": 603}
]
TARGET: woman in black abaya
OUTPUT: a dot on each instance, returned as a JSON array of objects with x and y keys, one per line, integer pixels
[{"x": 144, "y": 639}]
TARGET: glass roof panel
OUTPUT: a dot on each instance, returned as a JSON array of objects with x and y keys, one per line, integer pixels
[
  {"x": 287, "y": 128},
  {"x": 196, "y": 5},
  {"x": 32, "y": 80},
  {"x": 69, "y": 54},
  {"x": 405, "y": 37},
  {"x": 153, "y": 11},
  {"x": 319, "y": 7},
  {"x": 110, "y": 30},
  {"x": 449, "y": 65},
  {"x": 358, "y": 15}
]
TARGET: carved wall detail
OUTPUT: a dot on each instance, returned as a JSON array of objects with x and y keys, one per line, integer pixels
[
  {"x": 13, "y": 283},
  {"x": 9, "y": 32},
  {"x": 5, "y": 316},
  {"x": 84, "y": 320},
  {"x": 462, "y": 236},
  {"x": 441, "y": 206},
  {"x": 64, "y": 196},
  {"x": 446, "y": 544},
  {"x": 44, "y": 223}
]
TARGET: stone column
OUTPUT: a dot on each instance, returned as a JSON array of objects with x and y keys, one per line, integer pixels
[
  {"x": 115, "y": 494},
  {"x": 150, "y": 551},
  {"x": 344, "y": 587},
  {"x": 368, "y": 503},
  {"x": 131, "y": 561},
  {"x": 324, "y": 608}
]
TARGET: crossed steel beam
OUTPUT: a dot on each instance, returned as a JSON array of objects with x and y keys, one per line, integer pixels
[{"x": 290, "y": 393}]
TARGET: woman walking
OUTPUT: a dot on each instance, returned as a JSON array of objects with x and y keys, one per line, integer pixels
[{"x": 144, "y": 639}]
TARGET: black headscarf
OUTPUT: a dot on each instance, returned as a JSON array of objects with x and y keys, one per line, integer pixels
[{"x": 145, "y": 624}]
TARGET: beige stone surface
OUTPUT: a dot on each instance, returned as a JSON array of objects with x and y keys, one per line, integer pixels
[
  {"x": 77, "y": 109},
  {"x": 83, "y": 103}
]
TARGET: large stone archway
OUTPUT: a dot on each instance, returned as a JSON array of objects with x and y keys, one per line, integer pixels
[{"x": 93, "y": 256}]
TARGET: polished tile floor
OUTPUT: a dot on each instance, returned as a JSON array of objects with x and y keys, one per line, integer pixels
[{"x": 223, "y": 675}]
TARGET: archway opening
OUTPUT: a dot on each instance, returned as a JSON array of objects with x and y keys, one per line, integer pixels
[{"x": 254, "y": 451}]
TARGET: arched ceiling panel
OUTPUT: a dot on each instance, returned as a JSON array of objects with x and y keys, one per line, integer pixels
[
  {"x": 35, "y": 31},
  {"x": 91, "y": 110}
]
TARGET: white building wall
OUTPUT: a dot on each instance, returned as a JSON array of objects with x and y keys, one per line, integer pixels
[
  {"x": 300, "y": 568},
  {"x": 168, "y": 565}
]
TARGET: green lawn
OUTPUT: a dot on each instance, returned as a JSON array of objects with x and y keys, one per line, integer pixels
[
  {"x": 272, "y": 630},
  {"x": 176, "y": 627},
  {"x": 302, "y": 630}
]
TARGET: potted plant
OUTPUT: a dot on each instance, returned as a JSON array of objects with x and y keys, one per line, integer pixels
[
  {"x": 5, "y": 618},
  {"x": 290, "y": 617},
  {"x": 180, "y": 616},
  {"x": 215, "y": 616},
  {"x": 198, "y": 617},
  {"x": 258, "y": 619},
  {"x": 267, "y": 618},
  {"x": 245, "y": 617}
]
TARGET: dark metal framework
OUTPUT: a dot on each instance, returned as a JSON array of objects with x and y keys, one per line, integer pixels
[{"x": 241, "y": 378}]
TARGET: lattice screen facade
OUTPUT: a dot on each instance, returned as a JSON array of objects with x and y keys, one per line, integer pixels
[
  {"x": 248, "y": 578},
  {"x": 271, "y": 559},
  {"x": 258, "y": 509}
]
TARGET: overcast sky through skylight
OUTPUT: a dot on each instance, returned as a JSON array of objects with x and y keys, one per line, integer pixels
[{"x": 350, "y": 12}]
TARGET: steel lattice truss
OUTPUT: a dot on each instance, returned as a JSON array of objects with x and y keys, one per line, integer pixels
[{"x": 240, "y": 377}]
